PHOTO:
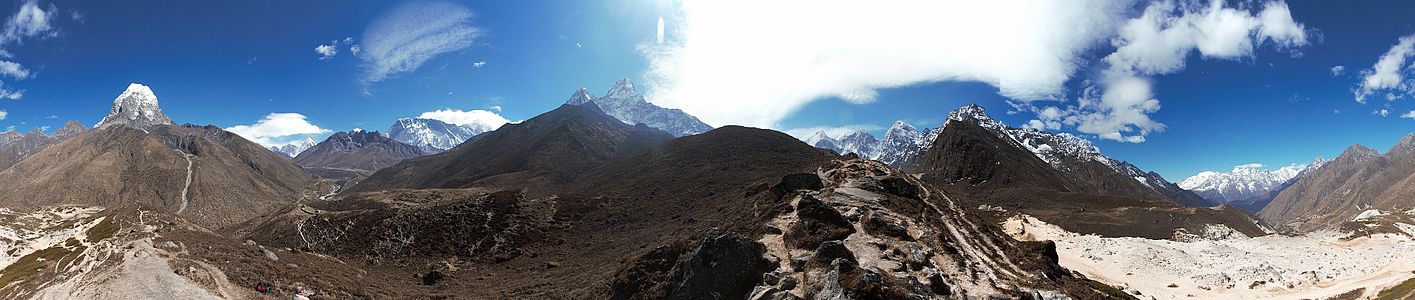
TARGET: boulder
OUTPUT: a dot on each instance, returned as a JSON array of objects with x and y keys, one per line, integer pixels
[{"x": 816, "y": 223}]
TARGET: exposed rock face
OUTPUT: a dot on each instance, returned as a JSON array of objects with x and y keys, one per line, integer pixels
[
  {"x": 356, "y": 154},
  {"x": 865, "y": 242},
  {"x": 1359, "y": 179},
  {"x": 625, "y": 103},
  {"x": 136, "y": 107},
  {"x": 70, "y": 130}
]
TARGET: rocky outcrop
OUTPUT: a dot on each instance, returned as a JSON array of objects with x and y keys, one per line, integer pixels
[{"x": 869, "y": 232}]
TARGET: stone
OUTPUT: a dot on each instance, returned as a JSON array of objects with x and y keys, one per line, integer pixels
[
  {"x": 795, "y": 182},
  {"x": 816, "y": 223}
]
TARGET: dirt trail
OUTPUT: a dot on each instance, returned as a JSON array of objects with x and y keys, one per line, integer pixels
[
  {"x": 143, "y": 274},
  {"x": 188, "y": 185}
]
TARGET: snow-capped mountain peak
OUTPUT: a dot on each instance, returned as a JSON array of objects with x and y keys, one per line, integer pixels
[
  {"x": 1242, "y": 182},
  {"x": 625, "y": 103},
  {"x": 623, "y": 90},
  {"x": 823, "y": 141},
  {"x": 136, "y": 107},
  {"x": 970, "y": 112},
  {"x": 432, "y": 136},
  {"x": 294, "y": 149}
]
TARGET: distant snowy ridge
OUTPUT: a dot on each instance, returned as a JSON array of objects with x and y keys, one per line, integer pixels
[
  {"x": 1243, "y": 181},
  {"x": 294, "y": 149},
  {"x": 433, "y": 136}
]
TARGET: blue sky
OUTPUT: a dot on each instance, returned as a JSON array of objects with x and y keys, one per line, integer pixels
[{"x": 783, "y": 65}]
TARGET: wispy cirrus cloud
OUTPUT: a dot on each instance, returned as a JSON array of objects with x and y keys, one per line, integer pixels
[{"x": 403, "y": 39}]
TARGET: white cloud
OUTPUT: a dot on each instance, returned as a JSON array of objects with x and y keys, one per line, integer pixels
[
  {"x": 496, "y": 107},
  {"x": 30, "y": 21},
  {"x": 831, "y": 131},
  {"x": 577, "y": 45},
  {"x": 804, "y": 51},
  {"x": 1159, "y": 42},
  {"x": 13, "y": 69},
  {"x": 326, "y": 51},
  {"x": 486, "y": 120},
  {"x": 1390, "y": 72},
  {"x": 1409, "y": 115},
  {"x": 413, "y": 33},
  {"x": 1338, "y": 70},
  {"x": 355, "y": 49},
  {"x": 278, "y": 128},
  {"x": 1381, "y": 112},
  {"x": 778, "y": 56},
  {"x": 479, "y": 64},
  {"x": 3, "y": 114}
]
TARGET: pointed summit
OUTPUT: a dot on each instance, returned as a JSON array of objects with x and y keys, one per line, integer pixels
[
  {"x": 969, "y": 112},
  {"x": 623, "y": 90},
  {"x": 625, "y": 104},
  {"x": 136, "y": 107},
  {"x": 1358, "y": 152},
  {"x": 70, "y": 129},
  {"x": 1405, "y": 147},
  {"x": 581, "y": 96}
]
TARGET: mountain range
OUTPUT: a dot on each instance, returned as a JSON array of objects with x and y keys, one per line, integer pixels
[
  {"x": 904, "y": 145},
  {"x": 136, "y": 158},
  {"x": 1062, "y": 180},
  {"x": 1358, "y": 180},
  {"x": 579, "y": 202},
  {"x": 15, "y": 146},
  {"x": 1247, "y": 186}
]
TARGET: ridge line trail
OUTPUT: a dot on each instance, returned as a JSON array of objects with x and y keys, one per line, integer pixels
[{"x": 188, "y": 185}]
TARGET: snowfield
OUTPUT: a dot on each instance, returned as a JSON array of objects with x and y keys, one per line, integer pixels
[{"x": 1312, "y": 266}]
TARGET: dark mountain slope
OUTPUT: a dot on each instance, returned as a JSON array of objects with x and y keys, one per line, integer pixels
[
  {"x": 231, "y": 179},
  {"x": 728, "y": 212},
  {"x": 972, "y": 163},
  {"x": 349, "y": 155},
  {"x": 1359, "y": 179},
  {"x": 554, "y": 147}
]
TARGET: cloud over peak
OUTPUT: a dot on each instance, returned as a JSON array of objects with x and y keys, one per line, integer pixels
[
  {"x": 403, "y": 39},
  {"x": 278, "y": 128},
  {"x": 483, "y": 119}
]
